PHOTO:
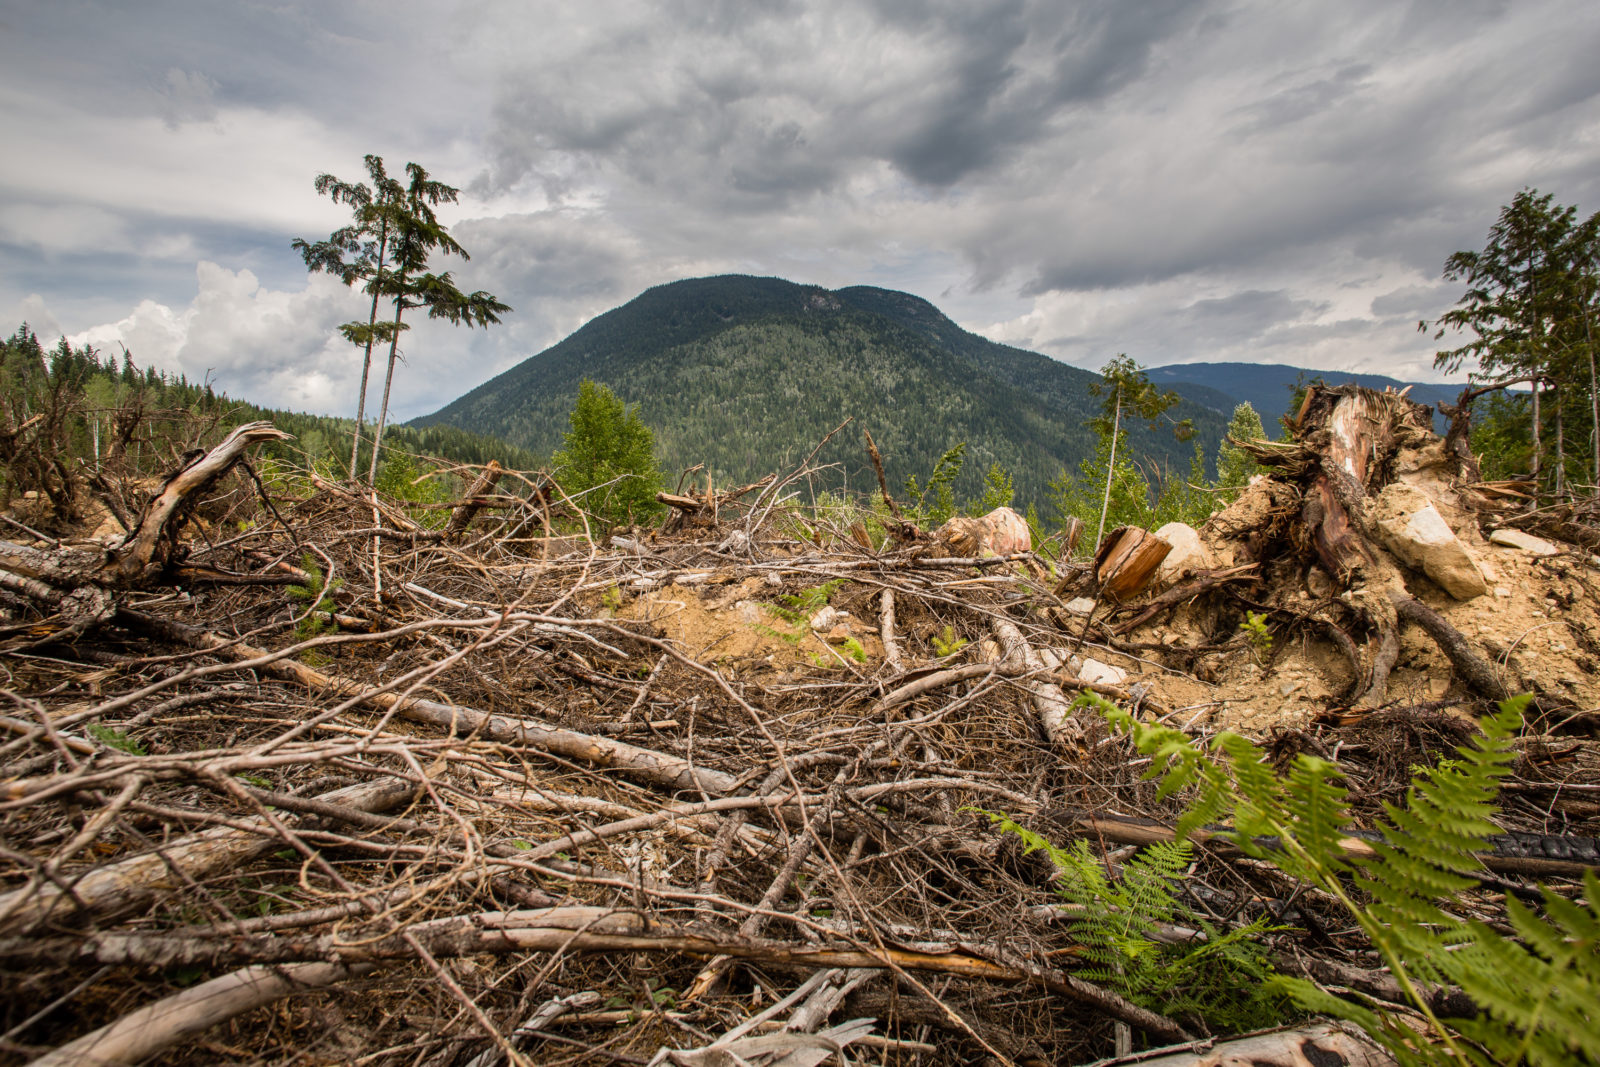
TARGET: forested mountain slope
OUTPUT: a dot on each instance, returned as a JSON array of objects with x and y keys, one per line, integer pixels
[{"x": 741, "y": 373}]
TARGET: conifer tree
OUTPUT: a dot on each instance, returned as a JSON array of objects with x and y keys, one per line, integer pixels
[
  {"x": 1529, "y": 311},
  {"x": 609, "y": 458},
  {"x": 1124, "y": 387},
  {"x": 394, "y": 233},
  {"x": 1234, "y": 465}
]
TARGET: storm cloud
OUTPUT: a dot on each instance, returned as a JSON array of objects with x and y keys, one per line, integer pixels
[{"x": 1175, "y": 180}]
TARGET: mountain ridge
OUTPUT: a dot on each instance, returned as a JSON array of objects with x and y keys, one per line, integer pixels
[
  {"x": 747, "y": 373},
  {"x": 738, "y": 371}
]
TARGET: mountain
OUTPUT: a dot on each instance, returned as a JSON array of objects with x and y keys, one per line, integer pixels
[
  {"x": 747, "y": 374},
  {"x": 1268, "y": 387}
]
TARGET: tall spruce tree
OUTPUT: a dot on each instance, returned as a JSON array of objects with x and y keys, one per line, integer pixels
[
  {"x": 1125, "y": 388},
  {"x": 1529, "y": 312},
  {"x": 355, "y": 253},
  {"x": 393, "y": 235}
]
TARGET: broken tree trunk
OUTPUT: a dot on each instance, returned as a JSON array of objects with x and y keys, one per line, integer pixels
[
  {"x": 476, "y": 499},
  {"x": 1127, "y": 559}
]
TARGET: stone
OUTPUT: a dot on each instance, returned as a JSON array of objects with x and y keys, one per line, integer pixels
[
  {"x": 1536, "y": 546},
  {"x": 1096, "y": 673},
  {"x": 838, "y": 635},
  {"x": 826, "y": 618},
  {"x": 1412, "y": 528},
  {"x": 1189, "y": 554},
  {"x": 1080, "y": 605}
]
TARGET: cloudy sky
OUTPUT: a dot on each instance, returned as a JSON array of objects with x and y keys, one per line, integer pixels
[{"x": 1259, "y": 180}]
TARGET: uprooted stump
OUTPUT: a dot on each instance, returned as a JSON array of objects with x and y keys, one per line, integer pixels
[
  {"x": 1355, "y": 517},
  {"x": 72, "y": 587}
]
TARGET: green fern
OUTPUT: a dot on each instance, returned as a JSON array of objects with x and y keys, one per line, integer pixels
[
  {"x": 1539, "y": 992},
  {"x": 1219, "y": 977},
  {"x": 798, "y": 607}
]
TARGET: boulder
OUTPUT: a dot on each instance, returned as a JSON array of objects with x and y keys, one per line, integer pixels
[
  {"x": 1096, "y": 673},
  {"x": 1412, "y": 528},
  {"x": 1537, "y": 546},
  {"x": 1189, "y": 554}
]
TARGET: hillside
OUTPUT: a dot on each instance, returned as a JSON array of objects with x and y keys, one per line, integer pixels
[
  {"x": 1267, "y": 386},
  {"x": 739, "y": 372}
]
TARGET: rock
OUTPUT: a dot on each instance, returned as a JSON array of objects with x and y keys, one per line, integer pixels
[
  {"x": 1189, "y": 554},
  {"x": 838, "y": 635},
  {"x": 1412, "y": 528},
  {"x": 1080, "y": 605},
  {"x": 1537, "y": 546},
  {"x": 774, "y": 579},
  {"x": 1501, "y": 590},
  {"x": 825, "y": 619},
  {"x": 1096, "y": 673}
]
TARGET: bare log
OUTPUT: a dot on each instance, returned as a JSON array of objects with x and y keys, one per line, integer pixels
[
  {"x": 143, "y": 1033},
  {"x": 1049, "y": 702},
  {"x": 585, "y": 929},
  {"x": 127, "y": 884},
  {"x": 891, "y": 648},
  {"x": 1322, "y": 1044}
]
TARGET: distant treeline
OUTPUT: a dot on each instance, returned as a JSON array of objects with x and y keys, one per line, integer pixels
[{"x": 79, "y": 403}]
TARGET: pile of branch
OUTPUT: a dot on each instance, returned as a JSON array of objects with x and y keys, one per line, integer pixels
[{"x": 450, "y": 805}]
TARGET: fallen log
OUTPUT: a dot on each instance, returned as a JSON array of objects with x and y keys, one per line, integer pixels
[
  {"x": 1318, "y": 1045},
  {"x": 119, "y": 887},
  {"x": 1049, "y": 702},
  {"x": 570, "y": 929},
  {"x": 141, "y": 1034}
]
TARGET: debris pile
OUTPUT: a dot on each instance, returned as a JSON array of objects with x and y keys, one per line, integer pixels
[{"x": 321, "y": 778}]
